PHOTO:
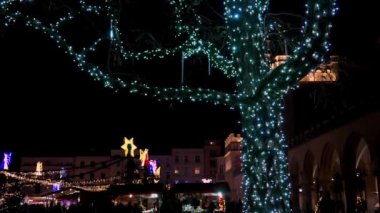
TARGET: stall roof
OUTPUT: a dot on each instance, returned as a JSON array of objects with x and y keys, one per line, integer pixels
[{"x": 201, "y": 187}]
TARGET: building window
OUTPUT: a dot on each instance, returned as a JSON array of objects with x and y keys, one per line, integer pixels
[
  {"x": 176, "y": 159},
  {"x": 92, "y": 164},
  {"x": 176, "y": 171},
  {"x": 186, "y": 159},
  {"x": 81, "y": 176},
  {"x": 212, "y": 153},
  {"x": 92, "y": 176},
  {"x": 197, "y": 159},
  {"x": 82, "y": 164},
  {"x": 104, "y": 165},
  {"x": 213, "y": 163},
  {"x": 221, "y": 169},
  {"x": 197, "y": 170}
]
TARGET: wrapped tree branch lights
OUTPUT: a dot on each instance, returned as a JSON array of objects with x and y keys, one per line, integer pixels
[{"x": 259, "y": 92}]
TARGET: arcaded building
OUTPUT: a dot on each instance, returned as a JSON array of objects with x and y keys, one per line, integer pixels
[{"x": 343, "y": 161}]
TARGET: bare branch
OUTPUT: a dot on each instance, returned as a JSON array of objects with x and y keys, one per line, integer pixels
[
  {"x": 308, "y": 54},
  {"x": 181, "y": 94}
]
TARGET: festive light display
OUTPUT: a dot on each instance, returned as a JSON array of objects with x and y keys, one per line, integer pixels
[
  {"x": 6, "y": 160},
  {"x": 153, "y": 169},
  {"x": 259, "y": 92},
  {"x": 89, "y": 185},
  {"x": 62, "y": 173},
  {"x": 39, "y": 168},
  {"x": 56, "y": 186},
  {"x": 157, "y": 172},
  {"x": 144, "y": 156},
  {"x": 129, "y": 147}
]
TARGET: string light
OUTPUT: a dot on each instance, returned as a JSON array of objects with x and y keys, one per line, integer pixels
[{"x": 259, "y": 92}]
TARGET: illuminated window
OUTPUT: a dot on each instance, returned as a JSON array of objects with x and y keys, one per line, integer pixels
[
  {"x": 197, "y": 170},
  {"x": 176, "y": 171}
]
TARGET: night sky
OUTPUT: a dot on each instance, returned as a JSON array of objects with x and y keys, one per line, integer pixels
[{"x": 49, "y": 107}]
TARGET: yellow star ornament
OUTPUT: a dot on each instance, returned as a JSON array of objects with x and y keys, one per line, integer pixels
[
  {"x": 143, "y": 155},
  {"x": 129, "y": 147},
  {"x": 157, "y": 172}
]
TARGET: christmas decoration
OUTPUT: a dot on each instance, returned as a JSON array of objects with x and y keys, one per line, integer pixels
[
  {"x": 157, "y": 172},
  {"x": 221, "y": 202},
  {"x": 144, "y": 156},
  {"x": 6, "y": 160},
  {"x": 39, "y": 168},
  {"x": 129, "y": 147},
  {"x": 259, "y": 89},
  {"x": 56, "y": 186}
]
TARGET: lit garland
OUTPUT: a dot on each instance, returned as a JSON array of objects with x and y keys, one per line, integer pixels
[
  {"x": 87, "y": 185},
  {"x": 259, "y": 89}
]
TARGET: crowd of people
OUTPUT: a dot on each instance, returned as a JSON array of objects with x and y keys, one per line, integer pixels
[{"x": 168, "y": 204}]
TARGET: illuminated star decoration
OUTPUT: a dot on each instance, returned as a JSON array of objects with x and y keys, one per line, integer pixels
[
  {"x": 157, "y": 172},
  {"x": 129, "y": 147},
  {"x": 152, "y": 166},
  {"x": 62, "y": 173},
  {"x": 143, "y": 156},
  {"x": 6, "y": 161},
  {"x": 39, "y": 168},
  {"x": 56, "y": 186}
]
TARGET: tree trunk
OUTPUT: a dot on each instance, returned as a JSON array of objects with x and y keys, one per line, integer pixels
[{"x": 264, "y": 160}]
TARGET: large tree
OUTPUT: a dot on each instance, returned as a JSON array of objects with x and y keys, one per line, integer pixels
[{"x": 259, "y": 88}]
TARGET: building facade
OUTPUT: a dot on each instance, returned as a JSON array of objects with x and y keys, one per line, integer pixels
[
  {"x": 232, "y": 165},
  {"x": 183, "y": 165},
  {"x": 343, "y": 161}
]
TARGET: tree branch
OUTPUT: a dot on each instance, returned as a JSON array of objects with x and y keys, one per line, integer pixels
[
  {"x": 307, "y": 54},
  {"x": 181, "y": 94},
  {"x": 177, "y": 94}
]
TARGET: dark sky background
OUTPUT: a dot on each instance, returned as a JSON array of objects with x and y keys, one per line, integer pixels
[{"x": 49, "y": 107}]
